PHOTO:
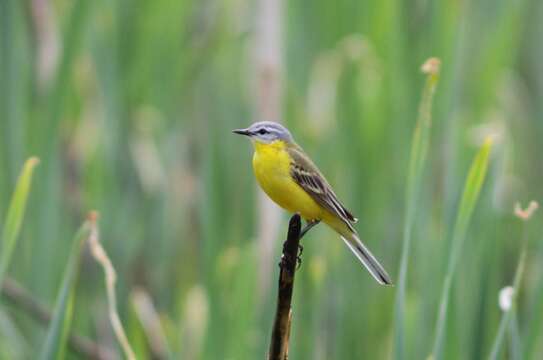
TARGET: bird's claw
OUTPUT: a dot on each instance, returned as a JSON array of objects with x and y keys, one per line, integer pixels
[{"x": 284, "y": 259}]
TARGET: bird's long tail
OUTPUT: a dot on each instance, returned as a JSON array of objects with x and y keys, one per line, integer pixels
[{"x": 366, "y": 257}]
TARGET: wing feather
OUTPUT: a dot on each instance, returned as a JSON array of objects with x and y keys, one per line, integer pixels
[{"x": 308, "y": 176}]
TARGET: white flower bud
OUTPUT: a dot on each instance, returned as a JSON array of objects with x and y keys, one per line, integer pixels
[{"x": 506, "y": 298}]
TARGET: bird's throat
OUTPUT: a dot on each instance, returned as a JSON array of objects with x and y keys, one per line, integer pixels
[{"x": 261, "y": 147}]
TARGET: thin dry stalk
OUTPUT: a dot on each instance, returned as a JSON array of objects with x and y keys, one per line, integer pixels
[
  {"x": 150, "y": 320},
  {"x": 267, "y": 50},
  {"x": 101, "y": 257}
]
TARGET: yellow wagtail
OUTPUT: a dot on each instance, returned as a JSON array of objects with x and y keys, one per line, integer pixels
[{"x": 292, "y": 180}]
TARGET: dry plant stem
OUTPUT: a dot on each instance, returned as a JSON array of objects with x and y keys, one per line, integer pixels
[
  {"x": 283, "y": 315},
  {"x": 101, "y": 257},
  {"x": 150, "y": 321},
  {"x": 21, "y": 298},
  {"x": 267, "y": 64}
]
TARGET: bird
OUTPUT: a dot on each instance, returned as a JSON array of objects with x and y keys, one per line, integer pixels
[{"x": 291, "y": 179}]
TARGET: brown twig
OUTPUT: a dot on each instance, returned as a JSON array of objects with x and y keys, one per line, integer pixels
[
  {"x": 23, "y": 299},
  {"x": 283, "y": 315}
]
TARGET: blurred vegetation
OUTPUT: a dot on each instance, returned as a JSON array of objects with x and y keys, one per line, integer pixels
[{"x": 129, "y": 106}]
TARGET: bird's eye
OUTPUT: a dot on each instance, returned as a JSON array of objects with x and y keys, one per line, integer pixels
[{"x": 262, "y": 131}]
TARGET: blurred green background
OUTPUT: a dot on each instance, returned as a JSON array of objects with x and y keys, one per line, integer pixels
[{"x": 129, "y": 106}]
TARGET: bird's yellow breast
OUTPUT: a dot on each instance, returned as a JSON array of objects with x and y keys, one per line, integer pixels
[{"x": 271, "y": 164}]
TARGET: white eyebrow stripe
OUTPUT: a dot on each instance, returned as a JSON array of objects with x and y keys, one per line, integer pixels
[{"x": 273, "y": 128}]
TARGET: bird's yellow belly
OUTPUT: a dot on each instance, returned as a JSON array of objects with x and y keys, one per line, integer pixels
[{"x": 272, "y": 170}]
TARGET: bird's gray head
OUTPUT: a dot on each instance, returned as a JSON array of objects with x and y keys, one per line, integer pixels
[{"x": 266, "y": 132}]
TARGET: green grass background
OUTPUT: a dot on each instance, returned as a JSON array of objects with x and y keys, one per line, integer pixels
[{"x": 135, "y": 122}]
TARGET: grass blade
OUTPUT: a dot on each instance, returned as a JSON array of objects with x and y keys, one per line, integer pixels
[
  {"x": 509, "y": 312},
  {"x": 15, "y": 215},
  {"x": 59, "y": 327},
  {"x": 516, "y": 345},
  {"x": 419, "y": 150},
  {"x": 472, "y": 188}
]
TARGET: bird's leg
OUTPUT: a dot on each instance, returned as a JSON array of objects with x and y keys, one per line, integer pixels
[
  {"x": 308, "y": 227},
  {"x": 304, "y": 231}
]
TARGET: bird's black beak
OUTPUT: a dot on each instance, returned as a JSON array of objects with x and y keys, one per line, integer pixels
[{"x": 242, "y": 132}]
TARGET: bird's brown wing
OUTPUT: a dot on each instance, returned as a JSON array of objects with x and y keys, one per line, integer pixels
[{"x": 307, "y": 175}]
